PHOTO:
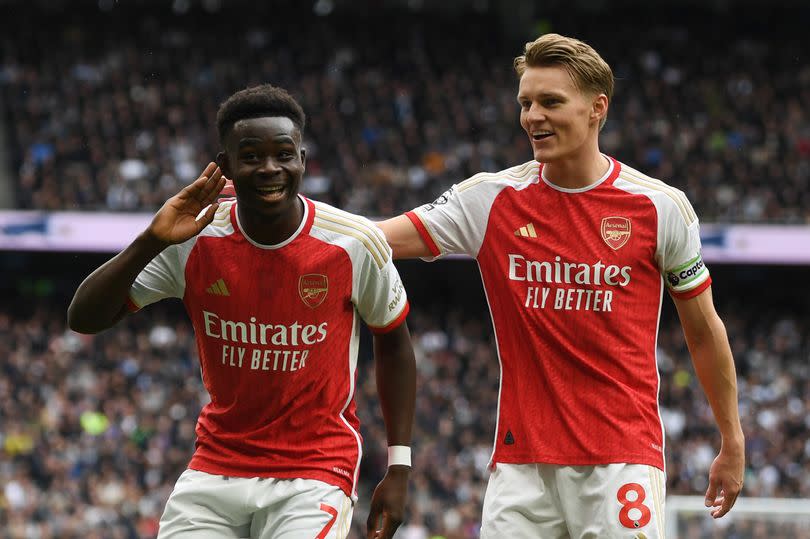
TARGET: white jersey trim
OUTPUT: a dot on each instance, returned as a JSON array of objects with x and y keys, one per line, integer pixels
[
  {"x": 377, "y": 291},
  {"x": 449, "y": 220},
  {"x": 347, "y": 224},
  {"x": 165, "y": 275},
  {"x": 594, "y": 185},
  {"x": 678, "y": 197},
  {"x": 518, "y": 174},
  {"x": 677, "y": 240},
  {"x": 354, "y": 341}
]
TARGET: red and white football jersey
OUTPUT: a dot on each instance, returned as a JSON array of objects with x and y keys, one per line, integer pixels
[
  {"x": 277, "y": 329},
  {"x": 573, "y": 278}
]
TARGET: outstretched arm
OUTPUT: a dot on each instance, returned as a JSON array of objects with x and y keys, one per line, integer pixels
[
  {"x": 100, "y": 301},
  {"x": 396, "y": 384},
  {"x": 714, "y": 366},
  {"x": 403, "y": 238}
]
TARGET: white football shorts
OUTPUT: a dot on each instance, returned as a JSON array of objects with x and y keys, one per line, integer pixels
[
  {"x": 205, "y": 506},
  {"x": 545, "y": 501}
]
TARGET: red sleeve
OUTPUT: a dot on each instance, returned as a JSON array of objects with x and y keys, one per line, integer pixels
[
  {"x": 132, "y": 306},
  {"x": 394, "y": 324},
  {"x": 689, "y": 294}
]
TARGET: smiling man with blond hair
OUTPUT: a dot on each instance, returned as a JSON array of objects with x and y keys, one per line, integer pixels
[{"x": 575, "y": 250}]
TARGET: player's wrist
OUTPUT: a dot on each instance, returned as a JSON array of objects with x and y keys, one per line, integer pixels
[{"x": 399, "y": 455}]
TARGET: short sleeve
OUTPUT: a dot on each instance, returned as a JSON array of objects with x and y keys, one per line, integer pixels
[
  {"x": 161, "y": 278},
  {"x": 380, "y": 297},
  {"x": 454, "y": 223},
  {"x": 681, "y": 263}
]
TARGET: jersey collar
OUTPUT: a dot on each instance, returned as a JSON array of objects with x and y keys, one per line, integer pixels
[{"x": 303, "y": 228}]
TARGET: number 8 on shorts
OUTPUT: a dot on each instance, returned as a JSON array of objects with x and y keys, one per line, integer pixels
[{"x": 633, "y": 514}]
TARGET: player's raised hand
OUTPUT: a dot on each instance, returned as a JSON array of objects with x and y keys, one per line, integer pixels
[
  {"x": 725, "y": 481},
  {"x": 388, "y": 503},
  {"x": 178, "y": 219}
]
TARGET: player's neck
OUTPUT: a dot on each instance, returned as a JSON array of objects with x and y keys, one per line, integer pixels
[
  {"x": 271, "y": 229},
  {"x": 577, "y": 173}
]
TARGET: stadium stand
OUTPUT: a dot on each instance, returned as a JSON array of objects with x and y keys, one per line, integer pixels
[
  {"x": 96, "y": 430},
  {"x": 112, "y": 110}
]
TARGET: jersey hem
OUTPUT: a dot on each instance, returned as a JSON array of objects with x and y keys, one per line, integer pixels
[
  {"x": 424, "y": 233},
  {"x": 324, "y": 477},
  {"x": 585, "y": 461},
  {"x": 394, "y": 324}
]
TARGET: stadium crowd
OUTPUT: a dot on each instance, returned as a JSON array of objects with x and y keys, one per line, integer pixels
[
  {"x": 114, "y": 110},
  {"x": 95, "y": 430}
]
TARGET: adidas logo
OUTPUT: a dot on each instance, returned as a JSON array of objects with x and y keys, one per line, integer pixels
[
  {"x": 526, "y": 231},
  {"x": 218, "y": 289}
]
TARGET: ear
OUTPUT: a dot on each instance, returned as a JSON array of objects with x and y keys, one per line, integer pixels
[
  {"x": 224, "y": 165},
  {"x": 304, "y": 157},
  {"x": 599, "y": 108}
]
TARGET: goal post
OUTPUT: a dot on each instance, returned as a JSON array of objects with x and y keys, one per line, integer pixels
[{"x": 751, "y": 518}]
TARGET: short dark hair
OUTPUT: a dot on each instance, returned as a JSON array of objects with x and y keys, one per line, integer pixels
[{"x": 258, "y": 102}]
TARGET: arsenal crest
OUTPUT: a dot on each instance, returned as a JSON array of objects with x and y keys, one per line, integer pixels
[
  {"x": 313, "y": 288},
  {"x": 615, "y": 231}
]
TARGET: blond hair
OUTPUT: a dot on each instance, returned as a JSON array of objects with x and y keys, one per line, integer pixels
[{"x": 588, "y": 70}]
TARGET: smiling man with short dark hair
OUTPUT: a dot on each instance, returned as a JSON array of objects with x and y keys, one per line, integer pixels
[{"x": 275, "y": 285}]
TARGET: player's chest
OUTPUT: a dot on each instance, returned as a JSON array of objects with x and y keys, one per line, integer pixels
[
  {"x": 304, "y": 280},
  {"x": 573, "y": 228}
]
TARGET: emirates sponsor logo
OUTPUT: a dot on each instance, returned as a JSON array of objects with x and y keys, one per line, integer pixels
[
  {"x": 563, "y": 272},
  {"x": 255, "y": 332},
  {"x": 616, "y": 231}
]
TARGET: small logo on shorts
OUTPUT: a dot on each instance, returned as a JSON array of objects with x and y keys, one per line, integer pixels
[{"x": 509, "y": 439}]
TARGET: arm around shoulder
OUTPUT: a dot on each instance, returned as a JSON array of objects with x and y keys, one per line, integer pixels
[{"x": 403, "y": 237}]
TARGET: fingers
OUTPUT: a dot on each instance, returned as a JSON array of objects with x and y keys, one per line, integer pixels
[
  {"x": 711, "y": 492},
  {"x": 212, "y": 188},
  {"x": 209, "y": 170},
  {"x": 372, "y": 522},
  {"x": 209, "y": 189},
  {"x": 206, "y": 216},
  {"x": 388, "y": 527},
  {"x": 725, "y": 502},
  {"x": 201, "y": 187},
  {"x": 384, "y": 530},
  {"x": 722, "y": 502}
]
